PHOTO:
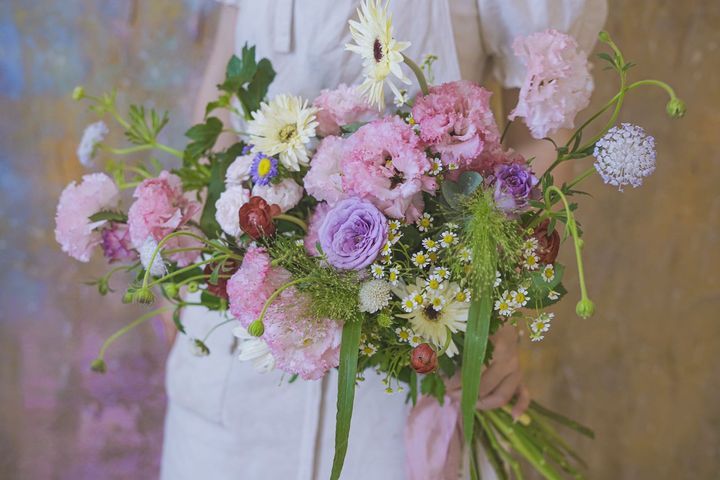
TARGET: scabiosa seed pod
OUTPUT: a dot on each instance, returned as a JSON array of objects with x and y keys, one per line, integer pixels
[
  {"x": 424, "y": 358},
  {"x": 625, "y": 155}
]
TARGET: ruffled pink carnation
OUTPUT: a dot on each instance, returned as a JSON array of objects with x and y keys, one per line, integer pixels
[
  {"x": 300, "y": 344},
  {"x": 557, "y": 85},
  {"x": 160, "y": 209},
  {"x": 314, "y": 222},
  {"x": 455, "y": 120},
  {"x": 75, "y": 233},
  {"x": 324, "y": 181},
  {"x": 339, "y": 107},
  {"x": 385, "y": 164}
]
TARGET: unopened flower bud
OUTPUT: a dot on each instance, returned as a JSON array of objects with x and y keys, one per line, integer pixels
[
  {"x": 199, "y": 348},
  {"x": 676, "y": 108},
  {"x": 585, "y": 308},
  {"x": 256, "y": 328},
  {"x": 604, "y": 36},
  {"x": 193, "y": 287},
  {"x": 384, "y": 319},
  {"x": 78, "y": 93},
  {"x": 98, "y": 366},
  {"x": 171, "y": 290},
  {"x": 144, "y": 296},
  {"x": 423, "y": 358},
  {"x": 103, "y": 287},
  {"x": 127, "y": 297}
]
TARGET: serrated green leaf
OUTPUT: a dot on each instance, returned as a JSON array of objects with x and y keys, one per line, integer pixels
[
  {"x": 203, "y": 136},
  {"x": 252, "y": 95}
]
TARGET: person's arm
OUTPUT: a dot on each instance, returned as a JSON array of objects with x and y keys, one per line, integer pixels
[{"x": 223, "y": 48}]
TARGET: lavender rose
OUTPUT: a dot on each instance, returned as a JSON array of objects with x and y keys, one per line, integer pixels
[
  {"x": 353, "y": 233},
  {"x": 514, "y": 186}
]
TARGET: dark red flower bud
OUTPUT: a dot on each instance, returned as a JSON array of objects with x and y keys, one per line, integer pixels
[
  {"x": 256, "y": 218},
  {"x": 424, "y": 358},
  {"x": 219, "y": 289},
  {"x": 548, "y": 245}
]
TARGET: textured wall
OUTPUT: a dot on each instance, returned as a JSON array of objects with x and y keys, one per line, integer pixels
[{"x": 643, "y": 371}]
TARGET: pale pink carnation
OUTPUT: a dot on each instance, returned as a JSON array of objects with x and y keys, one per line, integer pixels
[
  {"x": 285, "y": 194},
  {"x": 227, "y": 209},
  {"x": 339, "y": 107},
  {"x": 557, "y": 85},
  {"x": 314, "y": 222},
  {"x": 456, "y": 121},
  {"x": 300, "y": 344},
  {"x": 385, "y": 164},
  {"x": 324, "y": 181},
  {"x": 75, "y": 233}
]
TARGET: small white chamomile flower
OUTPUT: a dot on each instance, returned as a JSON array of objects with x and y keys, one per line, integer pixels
[
  {"x": 437, "y": 302},
  {"x": 531, "y": 261},
  {"x": 530, "y": 245},
  {"x": 442, "y": 272},
  {"x": 394, "y": 225},
  {"x": 394, "y": 236},
  {"x": 424, "y": 223},
  {"x": 542, "y": 323},
  {"x": 463, "y": 295},
  {"x": 377, "y": 271},
  {"x": 368, "y": 349},
  {"x": 536, "y": 336},
  {"x": 465, "y": 255},
  {"x": 453, "y": 166},
  {"x": 504, "y": 306},
  {"x": 435, "y": 167},
  {"x": 409, "y": 304},
  {"x": 420, "y": 259},
  {"x": 553, "y": 295},
  {"x": 403, "y": 334},
  {"x": 519, "y": 297},
  {"x": 498, "y": 279},
  {"x": 416, "y": 340},
  {"x": 430, "y": 244},
  {"x": 548, "y": 273},
  {"x": 448, "y": 238},
  {"x": 386, "y": 250},
  {"x": 394, "y": 276},
  {"x": 434, "y": 283}
]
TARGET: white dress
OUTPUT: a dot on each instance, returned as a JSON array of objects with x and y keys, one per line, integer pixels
[{"x": 226, "y": 421}]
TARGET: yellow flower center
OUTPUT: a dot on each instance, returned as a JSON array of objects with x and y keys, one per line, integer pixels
[
  {"x": 264, "y": 167},
  {"x": 433, "y": 284},
  {"x": 287, "y": 132},
  {"x": 460, "y": 297}
]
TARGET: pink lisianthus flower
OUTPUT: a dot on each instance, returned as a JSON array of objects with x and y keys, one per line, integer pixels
[
  {"x": 314, "y": 223},
  {"x": 74, "y": 231},
  {"x": 486, "y": 163},
  {"x": 342, "y": 106},
  {"x": 385, "y": 164},
  {"x": 557, "y": 85},
  {"x": 324, "y": 181},
  {"x": 116, "y": 243},
  {"x": 456, "y": 121},
  {"x": 159, "y": 210},
  {"x": 300, "y": 344}
]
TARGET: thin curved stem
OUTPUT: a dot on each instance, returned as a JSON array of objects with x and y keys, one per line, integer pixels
[
  {"x": 138, "y": 321},
  {"x": 277, "y": 292},
  {"x": 418, "y": 74},
  {"x": 292, "y": 219}
]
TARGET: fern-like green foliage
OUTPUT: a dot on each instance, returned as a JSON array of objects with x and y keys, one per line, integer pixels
[{"x": 334, "y": 293}]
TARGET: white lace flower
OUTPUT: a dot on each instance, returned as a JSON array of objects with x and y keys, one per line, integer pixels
[
  {"x": 158, "y": 268},
  {"x": 381, "y": 55},
  {"x": 93, "y": 135},
  {"x": 625, "y": 155},
  {"x": 374, "y": 296},
  {"x": 284, "y": 127},
  {"x": 254, "y": 349},
  {"x": 227, "y": 209}
]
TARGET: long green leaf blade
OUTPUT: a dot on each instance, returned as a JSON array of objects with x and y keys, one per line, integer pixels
[{"x": 349, "y": 348}]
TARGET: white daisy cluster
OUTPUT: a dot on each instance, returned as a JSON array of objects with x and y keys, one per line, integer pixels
[
  {"x": 374, "y": 296},
  {"x": 540, "y": 325},
  {"x": 625, "y": 155},
  {"x": 406, "y": 335},
  {"x": 511, "y": 300}
]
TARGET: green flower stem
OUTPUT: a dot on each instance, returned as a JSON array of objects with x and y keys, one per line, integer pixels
[
  {"x": 170, "y": 150},
  {"x": 277, "y": 292},
  {"x": 572, "y": 228},
  {"x": 582, "y": 177},
  {"x": 656, "y": 83},
  {"x": 418, "y": 74},
  {"x": 138, "y": 321},
  {"x": 507, "y": 458},
  {"x": 184, "y": 269},
  {"x": 113, "y": 271},
  {"x": 207, "y": 335},
  {"x": 187, "y": 249},
  {"x": 292, "y": 219},
  {"x": 199, "y": 277}
]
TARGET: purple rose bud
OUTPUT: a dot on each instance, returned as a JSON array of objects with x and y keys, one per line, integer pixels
[
  {"x": 514, "y": 186},
  {"x": 116, "y": 243},
  {"x": 353, "y": 233}
]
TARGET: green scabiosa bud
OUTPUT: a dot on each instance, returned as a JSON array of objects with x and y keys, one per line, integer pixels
[
  {"x": 78, "y": 93},
  {"x": 144, "y": 295},
  {"x": 256, "y": 328},
  {"x": 127, "y": 297},
  {"x": 98, "y": 366},
  {"x": 200, "y": 349},
  {"x": 604, "y": 36},
  {"x": 193, "y": 287},
  {"x": 384, "y": 319},
  {"x": 676, "y": 108},
  {"x": 171, "y": 290},
  {"x": 585, "y": 308}
]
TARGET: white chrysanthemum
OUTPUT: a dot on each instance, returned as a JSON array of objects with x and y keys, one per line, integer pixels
[
  {"x": 285, "y": 194},
  {"x": 284, "y": 127},
  {"x": 239, "y": 171},
  {"x": 146, "y": 251},
  {"x": 227, "y": 209},
  {"x": 374, "y": 296},
  {"x": 93, "y": 135},
  {"x": 255, "y": 350},
  {"x": 438, "y": 316},
  {"x": 381, "y": 53},
  {"x": 625, "y": 155}
]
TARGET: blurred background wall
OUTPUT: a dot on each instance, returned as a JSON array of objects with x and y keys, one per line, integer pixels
[{"x": 643, "y": 372}]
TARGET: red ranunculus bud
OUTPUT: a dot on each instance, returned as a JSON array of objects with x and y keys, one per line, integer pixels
[
  {"x": 219, "y": 289},
  {"x": 548, "y": 245},
  {"x": 256, "y": 218},
  {"x": 423, "y": 358}
]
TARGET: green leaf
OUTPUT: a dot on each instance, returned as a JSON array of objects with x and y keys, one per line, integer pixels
[
  {"x": 177, "y": 321},
  {"x": 255, "y": 92},
  {"x": 467, "y": 184},
  {"x": 352, "y": 127},
  {"x": 203, "y": 136},
  {"x": 476, "y": 340},
  {"x": 211, "y": 302},
  {"x": 349, "y": 348},
  {"x": 108, "y": 215},
  {"x": 248, "y": 79},
  {"x": 218, "y": 166},
  {"x": 432, "y": 385},
  {"x": 413, "y": 387}
]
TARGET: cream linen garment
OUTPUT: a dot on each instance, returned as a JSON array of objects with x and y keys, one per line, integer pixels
[{"x": 226, "y": 421}]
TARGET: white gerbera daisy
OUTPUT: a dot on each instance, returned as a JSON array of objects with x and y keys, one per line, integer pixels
[
  {"x": 381, "y": 55},
  {"x": 439, "y": 317},
  {"x": 284, "y": 127}
]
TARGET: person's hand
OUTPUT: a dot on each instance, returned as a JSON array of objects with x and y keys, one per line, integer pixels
[{"x": 502, "y": 380}]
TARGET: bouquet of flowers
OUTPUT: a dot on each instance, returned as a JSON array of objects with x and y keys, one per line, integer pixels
[{"x": 340, "y": 234}]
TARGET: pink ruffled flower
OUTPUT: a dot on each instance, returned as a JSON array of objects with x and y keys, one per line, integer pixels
[
  {"x": 455, "y": 120},
  {"x": 75, "y": 233},
  {"x": 314, "y": 222},
  {"x": 300, "y": 344},
  {"x": 492, "y": 157},
  {"x": 116, "y": 243},
  {"x": 557, "y": 85},
  {"x": 339, "y": 107},
  {"x": 324, "y": 181},
  {"x": 160, "y": 209},
  {"x": 385, "y": 164}
]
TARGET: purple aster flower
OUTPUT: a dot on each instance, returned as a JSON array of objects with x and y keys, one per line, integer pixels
[
  {"x": 263, "y": 169},
  {"x": 514, "y": 186},
  {"x": 353, "y": 233},
  {"x": 116, "y": 243},
  {"x": 247, "y": 149}
]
